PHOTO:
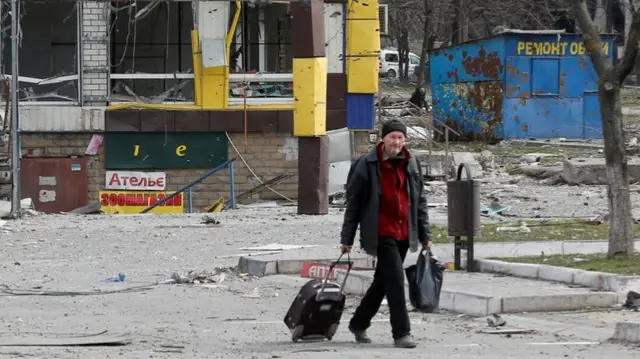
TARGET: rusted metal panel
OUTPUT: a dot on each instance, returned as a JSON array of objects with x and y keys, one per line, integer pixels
[
  {"x": 467, "y": 88},
  {"x": 474, "y": 108},
  {"x": 477, "y": 61},
  {"x": 518, "y": 85},
  {"x": 55, "y": 184}
]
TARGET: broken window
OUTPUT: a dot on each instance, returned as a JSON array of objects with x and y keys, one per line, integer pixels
[
  {"x": 48, "y": 51},
  {"x": 261, "y": 58},
  {"x": 151, "y": 59}
]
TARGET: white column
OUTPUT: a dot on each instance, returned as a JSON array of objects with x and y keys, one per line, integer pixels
[
  {"x": 334, "y": 36},
  {"x": 95, "y": 52},
  {"x": 213, "y": 24}
]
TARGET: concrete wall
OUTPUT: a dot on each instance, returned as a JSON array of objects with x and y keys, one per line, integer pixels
[{"x": 268, "y": 156}]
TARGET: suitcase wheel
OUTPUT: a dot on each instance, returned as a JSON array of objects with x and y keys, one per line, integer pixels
[
  {"x": 332, "y": 331},
  {"x": 297, "y": 333}
]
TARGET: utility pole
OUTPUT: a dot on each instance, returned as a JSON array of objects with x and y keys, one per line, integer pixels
[{"x": 15, "y": 140}]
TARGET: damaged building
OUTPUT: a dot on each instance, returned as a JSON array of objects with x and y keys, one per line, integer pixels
[{"x": 164, "y": 91}]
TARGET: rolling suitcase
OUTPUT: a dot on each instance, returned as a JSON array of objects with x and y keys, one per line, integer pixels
[{"x": 317, "y": 309}]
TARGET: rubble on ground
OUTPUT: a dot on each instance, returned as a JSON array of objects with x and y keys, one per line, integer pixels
[
  {"x": 554, "y": 178},
  {"x": 218, "y": 275},
  {"x": 26, "y": 207}
]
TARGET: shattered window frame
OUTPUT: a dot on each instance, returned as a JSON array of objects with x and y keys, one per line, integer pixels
[
  {"x": 117, "y": 80},
  {"x": 27, "y": 84},
  {"x": 259, "y": 81}
]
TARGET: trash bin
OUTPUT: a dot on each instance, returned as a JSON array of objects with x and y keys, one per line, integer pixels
[{"x": 458, "y": 201}]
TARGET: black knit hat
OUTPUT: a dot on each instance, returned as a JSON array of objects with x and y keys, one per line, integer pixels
[{"x": 393, "y": 125}]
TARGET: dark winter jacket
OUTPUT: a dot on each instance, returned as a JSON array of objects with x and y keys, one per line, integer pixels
[{"x": 363, "y": 200}]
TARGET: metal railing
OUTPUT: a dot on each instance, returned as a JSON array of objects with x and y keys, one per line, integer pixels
[{"x": 227, "y": 164}]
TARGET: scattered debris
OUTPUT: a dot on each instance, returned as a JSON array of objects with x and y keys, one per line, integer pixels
[
  {"x": 26, "y": 205},
  {"x": 4, "y": 289},
  {"x": 522, "y": 229},
  {"x": 167, "y": 348},
  {"x": 64, "y": 342},
  {"x": 254, "y": 294},
  {"x": 97, "y": 339},
  {"x": 278, "y": 247},
  {"x": 496, "y": 321},
  {"x": 3, "y": 229},
  {"x": 218, "y": 206},
  {"x": 91, "y": 208},
  {"x": 197, "y": 278},
  {"x": 209, "y": 220},
  {"x": 117, "y": 278},
  {"x": 494, "y": 208},
  {"x": 633, "y": 300},
  {"x": 508, "y": 332}
]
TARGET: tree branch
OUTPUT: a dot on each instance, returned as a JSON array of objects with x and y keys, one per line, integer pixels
[
  {"x": 591, "y": 37},
  {"x": 628, "y": 62}
]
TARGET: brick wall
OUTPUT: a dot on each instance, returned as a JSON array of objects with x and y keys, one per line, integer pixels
[
  {"x": 268, "y": 156},
  {"x": 95, "y": 52}
]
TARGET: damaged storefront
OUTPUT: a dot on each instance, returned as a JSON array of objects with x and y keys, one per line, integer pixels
[{"x": 107, "y": 86}]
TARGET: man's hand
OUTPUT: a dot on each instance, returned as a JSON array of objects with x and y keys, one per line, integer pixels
[{"x": 345, "y": 248}]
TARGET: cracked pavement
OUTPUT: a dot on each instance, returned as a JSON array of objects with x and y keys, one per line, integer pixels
[{"x": 238, "y": 318}]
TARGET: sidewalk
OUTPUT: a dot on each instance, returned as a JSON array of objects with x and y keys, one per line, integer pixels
[
  {"x": 481, "y": 294},
  {"x": 476, "y": 294},
  {"x": 290, "y": 261},
  {"x": 444, "y": 252}
]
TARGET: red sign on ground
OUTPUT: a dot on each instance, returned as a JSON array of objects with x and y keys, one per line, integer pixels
[{"x": 319, "y": 270}]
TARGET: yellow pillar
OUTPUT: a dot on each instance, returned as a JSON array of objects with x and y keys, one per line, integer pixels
[
  {"x": 211, "y": 58},
  {"x": 309, "y": 69},
  {"x": 363, "y": 46}
]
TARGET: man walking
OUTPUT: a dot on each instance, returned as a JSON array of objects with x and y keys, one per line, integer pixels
[{"x": 385, "y": 196}]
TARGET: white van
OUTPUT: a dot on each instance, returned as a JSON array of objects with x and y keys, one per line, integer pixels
[{"x": 390, "y": 63}]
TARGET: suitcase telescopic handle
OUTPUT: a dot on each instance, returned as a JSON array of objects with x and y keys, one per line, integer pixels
[{"x": 332, "y": 266}]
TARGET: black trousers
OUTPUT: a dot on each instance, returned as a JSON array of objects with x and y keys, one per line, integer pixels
[{"x": 388, "y": 280}]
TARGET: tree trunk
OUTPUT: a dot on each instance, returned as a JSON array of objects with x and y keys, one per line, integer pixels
[
  {"x": 620, "y": 229},
  {"x": 423, "y": 59},
  {"x": 610, "y": 79},
  {"x": 425, "y": 44},
  {"x": 600, "y": 15},
  {"x": 403, "y": 53},
  {"x": 625, "y": 5}
]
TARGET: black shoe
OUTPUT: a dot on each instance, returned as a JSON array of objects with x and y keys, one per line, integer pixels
[
  {"x": 361, "y": 336},
  {"x": 404, "y": 342}
]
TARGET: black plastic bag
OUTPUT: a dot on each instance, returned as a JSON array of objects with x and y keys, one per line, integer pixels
[{"x": 425, "y": 282}]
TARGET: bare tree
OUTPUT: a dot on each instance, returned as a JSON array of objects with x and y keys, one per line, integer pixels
[
  {"x": 433, "y": 22},
  {"x": 428, "y": 38},
  {"x": 610, "y": 80},
  {"x": 404, "y": 21},
  {"x": 429, "y": 21}
]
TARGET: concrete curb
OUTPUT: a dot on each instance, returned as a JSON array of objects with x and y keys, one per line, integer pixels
[
  {"x": 627, "y": 332},
  {"x": 482, "y": 305},
  {"x": 262, "y": 267},
  {"x": 596, "y": 280}
]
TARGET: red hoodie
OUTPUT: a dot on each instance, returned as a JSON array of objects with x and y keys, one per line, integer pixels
[{"x": 393, "y": 214}]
